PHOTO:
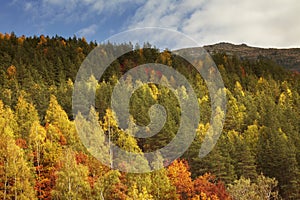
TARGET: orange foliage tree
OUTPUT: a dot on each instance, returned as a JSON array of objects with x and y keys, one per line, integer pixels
[
  {"x": 208, "y": 186},
  {"x": 180, "y": 177}
]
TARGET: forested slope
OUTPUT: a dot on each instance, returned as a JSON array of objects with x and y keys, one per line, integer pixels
[{"x": 42, "y": 157}]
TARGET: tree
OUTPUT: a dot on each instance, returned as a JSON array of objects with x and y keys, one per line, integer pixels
[
  {"x": 263, "y": 189},
  {"x": 92, "y": 136},
  {"x": 180, "y": 177},
  {"x": 58, "y": 118},
  {"x": 16, "y": 180},
  {"x": 208, "y": 185},
  {"x": 15, "y": 175},
  {"x": 44, "y": 155},
  {"x": 267, "y": 187},
  {"x": 72, "y": 179},
  {"x": 64, "y": 96},
  {"x": 250, "y": 137},
  {"x": 123, "y": 140},
  {"x": 242, "y": 189},
  {"x": 55, "y": 115},
  {"x": 235, "y": 115},
  {"x": 110, "y": 186},
  {"x": 161, "y": 186},
  {"x": 135, "y": 194},
  {"x": 244, "y": 161},
  {"x": 25, "y": 114},
  {"x": 218, "y": 162},
  {"x": 277, "y": 158}
]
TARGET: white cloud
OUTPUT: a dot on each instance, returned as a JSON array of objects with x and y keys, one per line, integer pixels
[
  {"x": 110, "y": 7},
  {"x": 88, "y": 31},
  {"x": 71, "y": 11},
  {"x": 269, "y": 23},
  {"x": 166, "y": 13},
  {"x": 28, "y": 6}
]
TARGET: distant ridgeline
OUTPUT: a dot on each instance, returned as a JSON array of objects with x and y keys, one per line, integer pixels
[
  {"x": 288, "y": 58},
  {"x": 41, "y": 156}
]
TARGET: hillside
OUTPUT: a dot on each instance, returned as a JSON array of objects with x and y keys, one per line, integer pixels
[
  {"x": 42, "y": 155},
  {"x": 289, "y": 58}
]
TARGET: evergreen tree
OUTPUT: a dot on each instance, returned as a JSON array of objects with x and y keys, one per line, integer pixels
[
  {"x": 244, "y": 162},
  {"x": 277, "y": 158}
]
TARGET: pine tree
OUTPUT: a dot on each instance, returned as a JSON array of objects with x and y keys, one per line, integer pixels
[
  {"x": 244, "y": 161},
  {"x": 277, "y": 158}
]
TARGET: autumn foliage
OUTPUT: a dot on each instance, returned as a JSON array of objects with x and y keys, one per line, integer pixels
[
  {"x": 203, "y": 187},
  {"x": 257, "y": 155}
]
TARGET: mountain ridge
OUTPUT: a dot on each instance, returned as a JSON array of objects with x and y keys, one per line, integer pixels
[{"x": 288, "y": 58}]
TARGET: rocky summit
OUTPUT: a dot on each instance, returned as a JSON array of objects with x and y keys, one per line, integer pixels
[{"x": 288, "y": 58}]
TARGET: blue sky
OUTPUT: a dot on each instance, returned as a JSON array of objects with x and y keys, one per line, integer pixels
[{"x": 268, "y": 23}]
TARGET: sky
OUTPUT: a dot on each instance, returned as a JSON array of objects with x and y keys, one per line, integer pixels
[{"x": 261, "y": 23}]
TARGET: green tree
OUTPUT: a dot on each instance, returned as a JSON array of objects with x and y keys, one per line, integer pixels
[
  {"x": 277, "y": 158},
  {"x": 244, "y": 161}
]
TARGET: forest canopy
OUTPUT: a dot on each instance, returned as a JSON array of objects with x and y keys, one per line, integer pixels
[{"x": 42, "y": 156}]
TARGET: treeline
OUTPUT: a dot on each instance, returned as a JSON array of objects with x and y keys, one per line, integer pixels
[{"x": 256, "y": 157}]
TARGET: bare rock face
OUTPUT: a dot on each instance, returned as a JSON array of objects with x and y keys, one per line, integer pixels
[{"x": 288, "y": 58}]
